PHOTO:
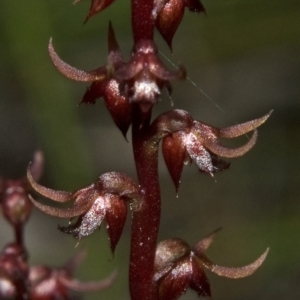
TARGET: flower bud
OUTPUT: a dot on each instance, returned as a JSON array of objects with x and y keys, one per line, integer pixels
[{"x": 16, "y": 205}]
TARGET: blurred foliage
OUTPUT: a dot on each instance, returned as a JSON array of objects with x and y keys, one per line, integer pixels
[{"x": 244, "y": 55}]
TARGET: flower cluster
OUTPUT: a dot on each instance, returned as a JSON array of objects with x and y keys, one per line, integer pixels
[
  {"x": 130, "y": 89},
  {"x": 19, "y": 280},
  {"x": 41, "y": 282},
  {"x": 120, "y": 84}
]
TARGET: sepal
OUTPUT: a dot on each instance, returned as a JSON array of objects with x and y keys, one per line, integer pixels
[
  {"x": 169, "y": 19},
  {"x": 96, "y": 7},
  {"x": 169, "y": 15},
  {"x": 174, "y": 154}
]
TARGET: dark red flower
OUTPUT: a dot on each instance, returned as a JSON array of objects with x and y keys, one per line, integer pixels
[
  {"x": 179, "y": 267},
  {"x": 104, "y": 200},
  {"x": 200, "y": 144},
  {"x": 145, "y": 75},
  {"x": 49, "y": 283},
  {"x": 104, "y": 85},
  {"x": 13, "y": 272}
]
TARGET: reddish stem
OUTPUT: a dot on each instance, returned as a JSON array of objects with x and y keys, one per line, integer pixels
[
  {"x": 142, "y": 20},
  {"x": 19, "y": 234},
  {"x": 146, "y": 217}
]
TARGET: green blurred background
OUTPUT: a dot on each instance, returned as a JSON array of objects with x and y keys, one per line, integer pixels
[{"x": 245, "y": 55}]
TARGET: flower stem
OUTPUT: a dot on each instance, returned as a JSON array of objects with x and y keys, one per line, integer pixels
[
  {"x": 142, "y": 20},
  {"x": 145, "y": 217}
]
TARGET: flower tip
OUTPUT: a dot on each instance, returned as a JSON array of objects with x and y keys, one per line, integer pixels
[
  {"x": 268, "y": 114},
  {"x": 89, "y": 15},
  {"x": 59, "y": 196},
  {"x": 86, "y": 19},
  {"x": 241, "y": 272},
  {"x": 29, "y": 175},
  {"x": 37, "y": 165},
  {"x": 204, "y": 244},
  {"x": 262, "y": 258}
]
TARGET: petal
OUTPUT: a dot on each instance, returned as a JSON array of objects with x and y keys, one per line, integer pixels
[
  {"x": 240, "y": 129},
  {"x": 215, "y": 147},
  {"x": 158, "y": 69},
  {"x": 129, "y": 70},
  {"x": 169, "y": 18},
  {"x": 73, "y": 73},
  {"x": 78, "y": 286},
  {"x": 170, "y": 251},
  {"x": 115, "y": 218},
  {"x": 203, "y": 245},
  {"x": 233, "y": 272},
  {"x": 170, "y": 122},
  {"x": 94, "y": 91},
  {"x": 174, "y": 153},
  {"x": 199, "y": 281},
  {"x": 199, "y": 154},
  {"x": 118, "y": 183},
  {"x": 176, "y": 282},
  {"x": 59, "y": 196},
  {"x": 115, "y": 56}
]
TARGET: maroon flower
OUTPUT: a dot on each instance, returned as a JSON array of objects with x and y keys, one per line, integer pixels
[
  {"x": 144, "y": 75},
  {"x": 104, "y": 200},
  {"x": 103, "y": 84},
  {"x": 49, "y": 283},
  {"x": 13, "y": 272},
  {"x": 200, "y": 144},
  {"x": 179, "y": 267}
]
